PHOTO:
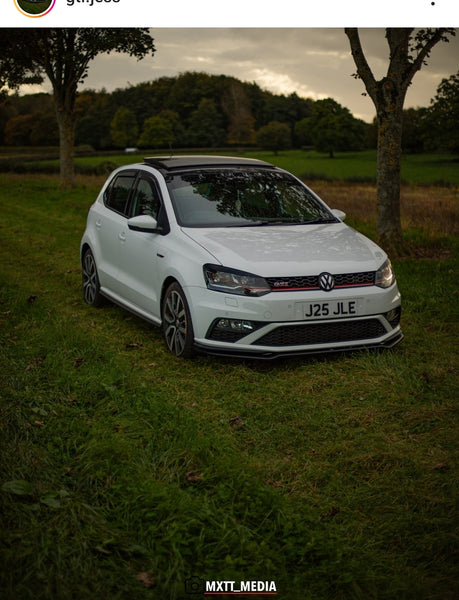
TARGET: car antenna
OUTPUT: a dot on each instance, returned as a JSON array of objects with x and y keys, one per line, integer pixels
[{"x": 171, "y": 150}]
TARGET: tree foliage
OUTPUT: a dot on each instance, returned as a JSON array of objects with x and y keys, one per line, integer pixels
[
  {"x": 63, "y": 56},
  {"x": 274, "y": 136},
  {"x": 205, "y": 126},
  {"x": 331, "y": 128},
  {"x": 231, "y": 115},
  {"x": 158, "y": 132},
  {"x": 441, "y": 120},
  {"x": 234, "y": 109},
  {"x": 123, "y": 128},
  {"x": 237, "y": 108}
]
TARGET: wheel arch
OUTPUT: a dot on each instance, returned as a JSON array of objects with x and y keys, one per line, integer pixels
[
  {"x": 166, "y": 283},
  {"x": 85, "y": 246}
]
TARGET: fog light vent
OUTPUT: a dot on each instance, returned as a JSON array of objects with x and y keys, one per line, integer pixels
[
  {"x": 393, "y": 316},
  {"x": 231, "y": 330}
]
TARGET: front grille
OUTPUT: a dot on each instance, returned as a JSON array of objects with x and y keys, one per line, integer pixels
[
  {"x": 224, "y": 336},
  {"x": 350, "y": 279},
  {"x": 322, "y": 333},
  {"x": 311, "y": 282}
]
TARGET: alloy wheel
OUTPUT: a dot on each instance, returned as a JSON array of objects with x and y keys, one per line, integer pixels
[
  {"x": 177, "y": 328},
  {"x": 91, "y": 284}
]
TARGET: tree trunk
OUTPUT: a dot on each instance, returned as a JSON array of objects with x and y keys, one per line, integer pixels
[
  {"x": 66, "y": 124},
  {"x": 388, "y": 225}
]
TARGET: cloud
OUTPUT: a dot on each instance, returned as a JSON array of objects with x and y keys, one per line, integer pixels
[{"x": 281, "y": 83}]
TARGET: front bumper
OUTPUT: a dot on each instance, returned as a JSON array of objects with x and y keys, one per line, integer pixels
[
  {"x": 273, "y": 354},
  {"x": 278, "y": 330}
]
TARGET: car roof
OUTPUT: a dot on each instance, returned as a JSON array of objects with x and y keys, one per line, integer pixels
[{"x": 174, "y": 163}]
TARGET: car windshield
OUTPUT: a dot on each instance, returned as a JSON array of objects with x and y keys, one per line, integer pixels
[{"x": 243, "y": 197}]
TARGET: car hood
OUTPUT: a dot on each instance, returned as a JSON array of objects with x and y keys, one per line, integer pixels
[{"x": 290, "y": 250}]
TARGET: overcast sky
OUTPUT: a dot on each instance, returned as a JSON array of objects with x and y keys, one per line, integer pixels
[{"x": 314, "y": 63}]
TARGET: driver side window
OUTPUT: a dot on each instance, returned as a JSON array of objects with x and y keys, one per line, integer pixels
[{"x": 146, "y": 199}]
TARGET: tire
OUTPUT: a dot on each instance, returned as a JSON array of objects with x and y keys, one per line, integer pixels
[
  {"x": 91, "y": 285},
  {"x": 176, "y": 322}
]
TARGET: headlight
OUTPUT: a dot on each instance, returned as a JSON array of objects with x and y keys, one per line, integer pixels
[
  {"x": 385, "y": 275},
  {"x": 232, "y": 281}
]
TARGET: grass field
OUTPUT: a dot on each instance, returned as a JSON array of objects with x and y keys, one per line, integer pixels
[
  {"x": 425, "y": 169},
  {"x": 430, "y": 169},
  {"x": 124, "y": 471}
]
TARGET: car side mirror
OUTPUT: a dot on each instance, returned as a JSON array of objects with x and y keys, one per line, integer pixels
[
  {"x": 145, "y": 223},
  {"x": 339, "y": 214}
]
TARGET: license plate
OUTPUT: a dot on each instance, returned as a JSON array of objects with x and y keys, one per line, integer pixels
[{"x": 333, "y": 309}]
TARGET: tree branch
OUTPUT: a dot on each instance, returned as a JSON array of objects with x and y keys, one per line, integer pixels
[
  {"x": 436, "y": 36},
  {"x": 363, "y": 68}
]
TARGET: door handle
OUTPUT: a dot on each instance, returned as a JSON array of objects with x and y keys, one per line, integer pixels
[
  {"x": 98, "y": 224},
  {"x": 122, "y": 236}
]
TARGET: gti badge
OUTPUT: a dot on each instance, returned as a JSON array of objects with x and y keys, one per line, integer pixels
[{"x": 326, "y": 282}]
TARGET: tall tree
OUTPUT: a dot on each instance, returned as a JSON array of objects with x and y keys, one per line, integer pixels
[
  {"x": 408, "y": 51},
  {"x": 63, "y": 55},
  {"x": 274, "y": 136},
  {"x": 205, "y": 126},
  {"x": 441, "y": 120},
  {"x": 158, "y": 132},
  {"x": 236, "y": 106},
  {"x": 124, "y": 130},
  {"x": 331, "y": 127}
]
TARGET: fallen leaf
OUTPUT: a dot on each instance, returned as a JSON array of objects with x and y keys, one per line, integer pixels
[
  {"x": 146, "y": 578},
  {"x": 330, "y": 514},
  {"x": 274, "y": 484},
  {"x": 193, "y": 477},
  {"x": 441, "y": 466},
  {"x": 237, "y": 423},
  {"x": 36, "y": 362}
]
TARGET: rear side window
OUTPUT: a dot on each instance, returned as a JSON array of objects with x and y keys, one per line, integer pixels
[
  {"x": 117, "y": 195},
  {"x": 146, "y": 199}
]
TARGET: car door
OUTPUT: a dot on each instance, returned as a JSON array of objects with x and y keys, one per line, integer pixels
[
  {"x": 138, "y": 262},
  {"x": 110, "y": 224}
]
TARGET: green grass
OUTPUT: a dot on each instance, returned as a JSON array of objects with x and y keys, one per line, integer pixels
[
  {"x": 125, "y": 471},
  {"x": 426, "y": 169},
  {"x": 431, "y": 169}
]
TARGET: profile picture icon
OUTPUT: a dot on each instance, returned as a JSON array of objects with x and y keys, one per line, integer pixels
[{"x": 34, "y": 8}]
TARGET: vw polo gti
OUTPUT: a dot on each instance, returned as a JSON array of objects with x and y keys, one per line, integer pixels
[{"x": 235, "y": 256}]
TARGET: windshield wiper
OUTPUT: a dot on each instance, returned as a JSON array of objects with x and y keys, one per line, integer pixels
[
  {"x": 282, "y": 221},
  {"x": 247, "y": 224},
  {"x": 292, "y": 221},
  {"x": 318, "y": 221}
]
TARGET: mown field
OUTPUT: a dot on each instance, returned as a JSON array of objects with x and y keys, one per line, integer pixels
[
  {"x": 125, "y": 471},
  {"x": 356, "y": 167}
]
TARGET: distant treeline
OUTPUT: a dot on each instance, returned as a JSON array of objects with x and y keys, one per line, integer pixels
[{"x": 198, "y": 110}]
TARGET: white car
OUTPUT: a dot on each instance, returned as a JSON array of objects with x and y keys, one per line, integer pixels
[{"x": 235, "y": 256}]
